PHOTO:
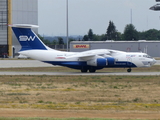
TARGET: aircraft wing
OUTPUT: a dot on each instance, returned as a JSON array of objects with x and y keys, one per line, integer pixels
[
  {"x": 115, "y": 52},
  {"x": 87, "y": 55},
  {"x": 80, "y": 55}
]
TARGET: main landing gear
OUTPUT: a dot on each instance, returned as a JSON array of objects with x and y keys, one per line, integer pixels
[
  {"x": 84, "y": 70},
  {"x": 91, "y": 69},
  {"x": 129, "y": 70}
]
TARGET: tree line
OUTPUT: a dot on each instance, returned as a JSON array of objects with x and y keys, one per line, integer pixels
[{"x": 130, "y": 34}]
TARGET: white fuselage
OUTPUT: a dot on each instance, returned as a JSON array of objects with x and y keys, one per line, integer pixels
[{"x": 122, "y": 58}]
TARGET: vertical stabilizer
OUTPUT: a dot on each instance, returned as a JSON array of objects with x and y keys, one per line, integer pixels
[{"x": 27, "y": 38}]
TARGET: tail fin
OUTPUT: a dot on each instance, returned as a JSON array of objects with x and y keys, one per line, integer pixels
[{"x": 27, "y": 38}]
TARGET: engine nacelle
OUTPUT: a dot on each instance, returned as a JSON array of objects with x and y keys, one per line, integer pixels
[
  {"x": 101, "y": 62},
  {"x": 111, "y": 61},
  {"x": 97, "y": 62}
]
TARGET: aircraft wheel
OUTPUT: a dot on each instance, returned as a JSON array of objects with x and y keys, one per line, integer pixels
[
  {"x": 129, "y": 70},
  {"x": 92, "y": 70},
  {"x": 83, "y": 70}
]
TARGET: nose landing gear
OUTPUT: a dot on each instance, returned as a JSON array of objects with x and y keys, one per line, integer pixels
[{"x": 129, "y": 70}]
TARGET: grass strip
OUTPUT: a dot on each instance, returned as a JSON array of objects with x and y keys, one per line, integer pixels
[{"x": 2, "y": 118}]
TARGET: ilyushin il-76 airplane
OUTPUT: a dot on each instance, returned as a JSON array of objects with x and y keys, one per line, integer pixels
[{"x": 90, "y": 60}]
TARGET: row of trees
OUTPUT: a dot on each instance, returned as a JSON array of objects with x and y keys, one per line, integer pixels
[
  {"x": 54, "y": 42},
  {"x": 130, "y": 34}
]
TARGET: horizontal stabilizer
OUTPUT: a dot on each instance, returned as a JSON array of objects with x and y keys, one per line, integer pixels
[{"x": 24, "y": 26}]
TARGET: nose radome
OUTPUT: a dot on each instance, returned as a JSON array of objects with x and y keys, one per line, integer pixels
[
  {"x": 153, "y": 62},
  {"x": 151, "y": 8}
]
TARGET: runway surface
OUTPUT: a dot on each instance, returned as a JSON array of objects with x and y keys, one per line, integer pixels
[
  {"x": 35, "y": 63},
  {"x": 22, "y": 63},
  {"x": 79, "y": 73}
]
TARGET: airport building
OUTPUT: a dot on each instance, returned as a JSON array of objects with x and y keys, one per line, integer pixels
[
  {"x": 15, "y": 12},
  {"x": 150, "y": 47}
]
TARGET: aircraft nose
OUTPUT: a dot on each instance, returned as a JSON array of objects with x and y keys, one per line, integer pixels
[
  {"x": 153, "y": 61},
  {"x": 151, "y": 8}
]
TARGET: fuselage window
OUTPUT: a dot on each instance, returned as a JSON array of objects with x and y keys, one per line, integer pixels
[{"x": 145, "y": 56}]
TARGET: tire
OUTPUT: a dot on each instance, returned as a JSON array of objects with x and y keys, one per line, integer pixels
[
  {"x": 129, "y": 70},
  {"x": 84, "y": 70},
  {"x": 92, "y": 70}
]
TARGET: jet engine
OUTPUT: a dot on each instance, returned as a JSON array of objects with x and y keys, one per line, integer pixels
[{"x": 101, "y": 62}]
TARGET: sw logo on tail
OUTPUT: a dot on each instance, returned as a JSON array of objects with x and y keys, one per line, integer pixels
[
  {"x": 90, "y": 60},
  {"x": 26, "y": 38}
]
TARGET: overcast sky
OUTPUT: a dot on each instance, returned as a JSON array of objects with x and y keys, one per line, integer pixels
[{"x": 95, "y": 15}]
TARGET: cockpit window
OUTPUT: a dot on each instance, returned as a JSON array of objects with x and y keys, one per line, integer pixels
[{"x": 146, "y": 56}]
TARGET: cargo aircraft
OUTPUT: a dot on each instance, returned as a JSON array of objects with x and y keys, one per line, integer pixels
[{"x": 90, "y": 60}]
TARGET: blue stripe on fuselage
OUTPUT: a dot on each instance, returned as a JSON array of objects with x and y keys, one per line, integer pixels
[{"x": 79, "y": 64}]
